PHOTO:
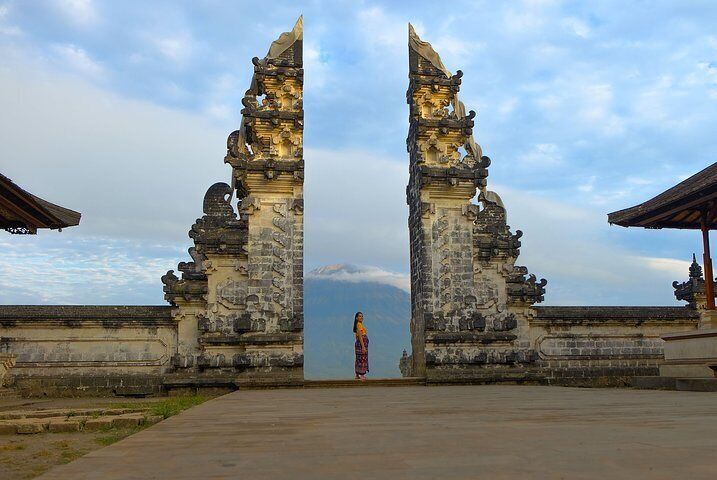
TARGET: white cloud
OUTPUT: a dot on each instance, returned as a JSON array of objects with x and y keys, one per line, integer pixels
[
  {"x": 80, "y": 12},
  {"x": 588, "y": 185},
  {"x": 577, "y": 27},
  {"x": 79, "y": 60},
  {"x": 223, "y": 87},
  {"x": 455, "y": 49},
  {"x": 576, "y": 250},
  {"x": 650, "y": 104},
  {"x": 132, "y": 168},
  {"x": 356, "y": 209},
  {"x": 5, "y": 28},
  {"x": 383, "y": 30},
  {"x": 597, "y": 100},
  {"x": 508, "y": 106},
  {"x": 10, "y": 31},
  {"x": 639, "y": 181},
  {"x": 549, "y": 102},
  {"x": 546, "y": 55},
  {"x": 318, "y": 71},
  {"x": 539, "y": 3},
  {"x": 364, "y": 273},
  {"x": 525, "y": 21},
  {"x": 588, "y": 104},
  {"x": 221, "y": 111},
  {"x": 178, "y": 49},
  {"x": 676, "y": 268},
  {"x": 542, "y": 155},
  {"x": 57, "y": 268}
]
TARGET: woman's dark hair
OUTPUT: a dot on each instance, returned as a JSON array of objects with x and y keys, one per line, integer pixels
[{"x": 356, "y": 320}]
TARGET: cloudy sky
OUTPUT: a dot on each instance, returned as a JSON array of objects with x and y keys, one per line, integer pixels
[{"x": 121, "y": 110}]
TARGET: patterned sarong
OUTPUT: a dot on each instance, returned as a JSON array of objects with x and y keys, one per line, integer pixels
[{"x": 361, "y": 357}]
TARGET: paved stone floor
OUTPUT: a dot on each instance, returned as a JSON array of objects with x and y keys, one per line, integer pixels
[{"x": 490, "y": 432}]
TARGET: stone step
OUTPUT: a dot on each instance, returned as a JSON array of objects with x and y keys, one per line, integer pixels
[
  {"x": 74, "y": 424},
  {"x": 230, "y": 382},
  {"x": 181, "y": 381},
  {"x": 67, "y": 412},
  {"x": 369, "y": 382},
  {"x": 675, "y": 383},
  {"x": 493, "y": 378},
  {"x": 7, "y": 392},
  {"x": 654, "y": 383},
  {"x": 697, "y": 384}
]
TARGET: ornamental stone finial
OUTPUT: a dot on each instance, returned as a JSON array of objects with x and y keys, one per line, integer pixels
[
  {"x": 695, "y": 268},
  {"x": 693, "y": 290}
]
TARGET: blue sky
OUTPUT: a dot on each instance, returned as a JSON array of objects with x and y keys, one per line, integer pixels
[{"x": 121, "y": 110}]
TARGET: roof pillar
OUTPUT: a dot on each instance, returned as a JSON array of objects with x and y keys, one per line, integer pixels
[{"x": 709, "y": 276}]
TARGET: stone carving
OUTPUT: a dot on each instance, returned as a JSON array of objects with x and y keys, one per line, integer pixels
[
  {"x": 405, "y": 365},
  {"x": 232, "y": 292},
  {"x": 219, "y": 230},
  {"x": 243, "y": 287},
  {"x": 468, "y": 297},
  {"x": 7, "y": 361},
  {"x": 693, "y": 289}
]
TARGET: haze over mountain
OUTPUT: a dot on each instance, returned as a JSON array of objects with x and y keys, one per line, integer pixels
[{"x": 332, "y": 295}]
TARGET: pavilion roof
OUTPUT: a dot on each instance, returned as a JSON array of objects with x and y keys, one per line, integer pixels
[
  {"x": 23, "y": 212},
  {"x": 681, "y": 206}
]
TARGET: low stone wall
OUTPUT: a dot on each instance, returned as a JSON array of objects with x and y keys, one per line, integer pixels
[
  {"x": 128, "y": 350},
  {"x": 87, "y": 350},
  {"x": 596, "y": 346}
]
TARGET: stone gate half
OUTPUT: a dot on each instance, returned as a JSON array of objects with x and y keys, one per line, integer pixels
[
  {"x": 470, "y": 302},
  {"x": 239, "y": 302}
]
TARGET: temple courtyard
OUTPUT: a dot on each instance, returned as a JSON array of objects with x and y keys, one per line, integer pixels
[{"x": 419, "y": 432}]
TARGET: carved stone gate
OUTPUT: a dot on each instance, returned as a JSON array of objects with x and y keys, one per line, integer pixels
[
  {"x": 239, "y": 302},
  {"x": 238, "y": 306},
  {"x": 470, "y": 304}
]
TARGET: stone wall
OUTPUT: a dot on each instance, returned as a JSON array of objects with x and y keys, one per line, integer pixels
[
  {"x": 603, "y": 345},
  {"x": 87, "y": 350},
  {"x": 579, "y": 346}
]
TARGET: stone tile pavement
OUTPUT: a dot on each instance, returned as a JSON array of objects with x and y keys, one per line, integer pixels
[{"x": 471, "y": 432}]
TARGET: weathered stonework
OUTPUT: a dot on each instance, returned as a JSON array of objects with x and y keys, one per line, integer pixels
[
  {"x": 239, "y": 303},
  {"x": 603, "y": 346},
  {"x": 87, "y": 350},
  {"x": 470, "y": 302}
]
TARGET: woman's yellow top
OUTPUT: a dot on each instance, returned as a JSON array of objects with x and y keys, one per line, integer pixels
[{"x": 360, "y": 330}]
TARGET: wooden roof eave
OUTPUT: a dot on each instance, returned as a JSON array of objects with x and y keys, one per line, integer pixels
[
  {"x": 33, "y": 212},
  {"x": 659, "y": 212}
]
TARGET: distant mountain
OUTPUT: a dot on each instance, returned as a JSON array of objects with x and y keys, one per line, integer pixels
[
  {"x": 332, "y": 295},
  {"x": 336, "y": 270}
]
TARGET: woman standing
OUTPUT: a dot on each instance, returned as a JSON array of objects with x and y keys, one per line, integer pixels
[{"x": 361, "y": 347}]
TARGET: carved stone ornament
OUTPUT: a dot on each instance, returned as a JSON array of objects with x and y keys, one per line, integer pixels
[
  {"x": 693, "y": 287},
  {"x": 231, "y": 293}
]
